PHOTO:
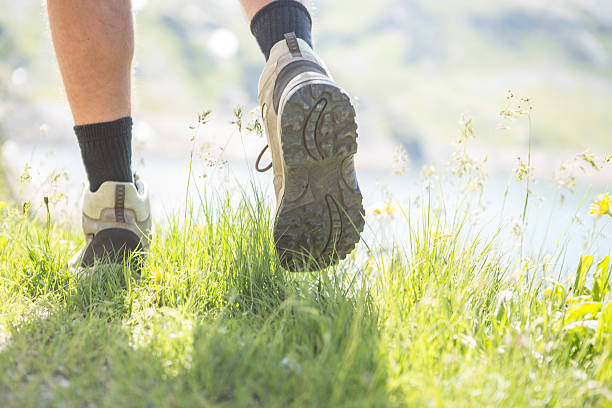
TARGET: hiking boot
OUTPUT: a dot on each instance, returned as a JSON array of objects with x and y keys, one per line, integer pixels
[
  {"x": 311, "y": 131},
  {"x": 117, "y": 225}
]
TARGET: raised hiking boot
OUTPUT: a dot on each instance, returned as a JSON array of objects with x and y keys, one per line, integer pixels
[
  {"x": 117, "y": 225},
  {"x": 311, "y": 131}
]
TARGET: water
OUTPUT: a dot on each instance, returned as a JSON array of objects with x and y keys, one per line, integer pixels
[{"x": 554, "y": 227}]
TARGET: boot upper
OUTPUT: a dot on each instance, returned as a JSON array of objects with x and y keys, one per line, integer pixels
[{"x": 118, "y": 205}]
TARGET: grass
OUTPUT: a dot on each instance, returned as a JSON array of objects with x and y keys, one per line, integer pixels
[
  {"x": 214, "y": 321},
  {"x": 447, "y": 317}
]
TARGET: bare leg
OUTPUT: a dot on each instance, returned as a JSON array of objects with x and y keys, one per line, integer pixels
[
  {"x": 251, "y": 7},
  {"x": 94, "y": 43}
]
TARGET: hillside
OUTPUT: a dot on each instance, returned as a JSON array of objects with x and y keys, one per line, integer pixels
[{"x": 416, "y": 66}]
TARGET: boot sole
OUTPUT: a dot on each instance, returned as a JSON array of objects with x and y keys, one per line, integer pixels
[
  {"x": 320, "y": 216},
  {"x": 114, "y": 246}
]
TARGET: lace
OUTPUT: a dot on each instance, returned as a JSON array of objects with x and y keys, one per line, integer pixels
[{"x": 259, "y": 169}]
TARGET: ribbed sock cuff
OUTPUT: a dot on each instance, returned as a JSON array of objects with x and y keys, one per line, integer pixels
[
  {"x": 106, "y": 149},
  {"x": 273, "y": 21}
]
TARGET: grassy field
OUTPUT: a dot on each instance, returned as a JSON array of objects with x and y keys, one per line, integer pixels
[{"x": 213, "y": 321}]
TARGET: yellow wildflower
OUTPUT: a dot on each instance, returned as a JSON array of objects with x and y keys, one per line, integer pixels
[
  {"x": 157, "y": 274},
  {"x": 601, "y": 206},
  {"x": 3, "y": 204},
  {"x": 381, "y": 209}
]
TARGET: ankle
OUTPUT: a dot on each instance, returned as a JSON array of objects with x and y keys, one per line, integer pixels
[
  {"x": 106, "y": 149},
  {"x": 273, "y": 21}
]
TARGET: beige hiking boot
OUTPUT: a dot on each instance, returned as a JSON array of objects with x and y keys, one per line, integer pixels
[
  {"x": 116, "y": 223},
  {"x": 311, "y": 131}
]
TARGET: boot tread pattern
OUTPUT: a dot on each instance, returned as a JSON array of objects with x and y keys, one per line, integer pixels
[{"x": 321, "y": 212}]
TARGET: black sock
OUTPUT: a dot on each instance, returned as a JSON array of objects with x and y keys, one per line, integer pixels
[
  {"x": 106, "y": 149},
  {"x": 272, "y": 22}
]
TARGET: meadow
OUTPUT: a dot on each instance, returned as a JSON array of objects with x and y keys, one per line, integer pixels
[{"x": 444, "y": 318}]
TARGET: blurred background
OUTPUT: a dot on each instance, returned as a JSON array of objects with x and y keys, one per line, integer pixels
[{"x": 418, "y": 70}]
